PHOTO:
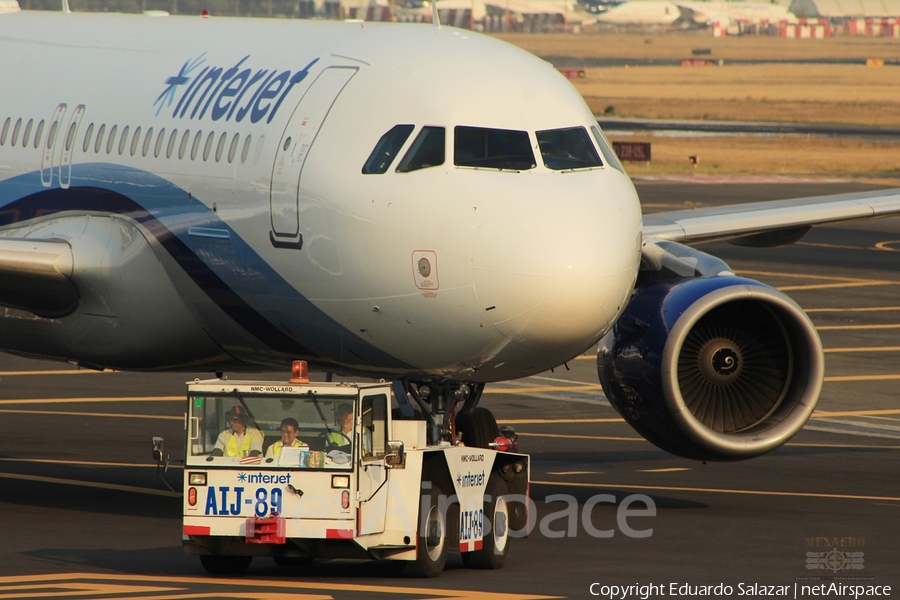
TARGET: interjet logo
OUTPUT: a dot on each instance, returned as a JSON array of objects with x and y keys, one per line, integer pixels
[{"x": 227, "y": 93}]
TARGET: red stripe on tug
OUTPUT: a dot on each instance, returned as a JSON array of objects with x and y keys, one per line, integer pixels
[
  {"x": 265, "y": 531},
  {"x": 338, "y": 534},
  {"x": 196, "y": 530}
]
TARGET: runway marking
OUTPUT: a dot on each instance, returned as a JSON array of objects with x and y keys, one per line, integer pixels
[
  {"x": 606, "y": 438},
  {"x": 666, "y": 488},
  {"x": 857, "y": 413},
  {"x": 861, "y": 309},
  {"x": 863, "y": 349},
  {"x": 549, "y": 421},
  {"x": 90, "y": 484},
  {"x": 84, "y": 463},
  {"x": 857, "y": 327},
  {"x": 549, "y": 388},
  {"x": 884, "y": 246},
  {"x": 840, "y": 282},
  {"x": 274, "y": 590},
  {"x": 844, "y": 378},
  {"x": 55, "y": 372},
  {"x": 86, "y": 400},
  {"x": 90, "y": 414},
  {"x": 854, "y": 446},
  {"x": 669, "y": 470},
  {"x": 836, "y": 246}
]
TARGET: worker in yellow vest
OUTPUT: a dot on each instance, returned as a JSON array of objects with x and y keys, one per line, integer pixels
[
  {"x": 289, "y": 430},
  {"x": 343, "y": 418},
  {"x": 239, "y": 439}
]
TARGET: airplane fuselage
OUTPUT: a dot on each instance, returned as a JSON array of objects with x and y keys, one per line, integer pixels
[{"x": 213, "y": 171}]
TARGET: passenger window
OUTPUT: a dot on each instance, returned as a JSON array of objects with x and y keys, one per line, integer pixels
[
  {"x": 135, "y": 141},
  {"x": 38, "y": 134},
  {"x": 427, "y": 150},
  {"x": 184, "y": 143},
  {"x": 221, "y": 146},
  {"x": 246, "y": 149},
  {"x": 15, "y": 135},
  {"x": 99, "y": 143},
  {"x": 159, "y": 142},
  {"x": 70, "y": 137},
  {"x": 606, "y": 148},
  {"x": 386, "y": 150},
  {"x": 51, "y": 137},
  {"x": 112, "y": 139},
  {"x": 492, "y": 148},
  {"x": 5, "y": 131},
  {"x": 232, "y": 150},
  {"x": 27, "y": 135},
  {"x": 148, "y": 139},
  {"x": 565, "y": 149},
  {"x": 208, "y": 146},
  {"x": 173, "y": 137},
  {"x": 87, "y": 138},
  {"x": 196, "y": 145},
  {"x": 123, "y": 140}
]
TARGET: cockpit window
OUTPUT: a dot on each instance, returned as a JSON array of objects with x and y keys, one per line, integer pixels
[
  {"x": 607, "y": 149},
  {"x": 569, "y": 148},
  {"x": 427, "y": 150},
  {"x": 492, "y": 148},
  {"x": 386, "y": 150}
]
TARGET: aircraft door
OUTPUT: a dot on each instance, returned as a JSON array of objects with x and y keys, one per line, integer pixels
[
  {"x": 295, "y": 145},
  {"x": 373, "y": 474},
  {"x": 49, "y": 146},
  {"x": 65, "y": 160}
]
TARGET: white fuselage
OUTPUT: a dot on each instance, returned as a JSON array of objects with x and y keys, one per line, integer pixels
[{"x": 259, "y": 211}]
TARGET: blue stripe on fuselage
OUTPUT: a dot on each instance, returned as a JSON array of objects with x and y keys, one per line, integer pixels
[{"x": 233, "y": 275}]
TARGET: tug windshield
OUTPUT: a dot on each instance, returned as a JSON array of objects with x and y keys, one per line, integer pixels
[{"x": 306, "y": 432}]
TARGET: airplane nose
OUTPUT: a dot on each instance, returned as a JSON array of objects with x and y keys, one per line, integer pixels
[{"x": 559, "y": 277}]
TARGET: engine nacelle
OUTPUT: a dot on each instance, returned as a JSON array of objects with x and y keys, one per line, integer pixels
[{"x": 713, "y": 368}]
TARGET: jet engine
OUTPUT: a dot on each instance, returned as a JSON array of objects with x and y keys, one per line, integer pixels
[{"x": 713, "y": 367}]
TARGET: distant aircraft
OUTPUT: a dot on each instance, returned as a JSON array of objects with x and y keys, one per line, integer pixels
[
  {"x": 666, "y": 12},
  {"x": 411, "y": 202}
]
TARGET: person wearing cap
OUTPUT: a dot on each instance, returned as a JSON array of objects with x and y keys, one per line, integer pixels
[
  {"x": 239, "y": 439},
  {"x": 289, "y": 430}
]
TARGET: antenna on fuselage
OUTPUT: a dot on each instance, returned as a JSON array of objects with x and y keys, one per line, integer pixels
[{"x": 435, "y": 18}]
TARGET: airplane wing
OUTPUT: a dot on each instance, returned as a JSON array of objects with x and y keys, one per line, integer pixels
[
  {"x": 35, "y": 275},
  {"x": 766, "y": 224}
]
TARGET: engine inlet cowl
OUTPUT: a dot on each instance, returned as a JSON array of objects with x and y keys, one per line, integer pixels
[{"x": 713, "y": 368}]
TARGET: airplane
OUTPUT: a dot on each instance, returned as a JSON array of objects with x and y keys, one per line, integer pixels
[
  {"x": 697, "y": 12},
  {"x": 410, "y": 202}
]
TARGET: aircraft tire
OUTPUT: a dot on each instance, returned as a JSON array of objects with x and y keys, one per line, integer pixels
[
  {"x": 495, "y": 546},
  {"x": 225, "y": 565},
  {"x": 479, "y": 427},
  {"x": 432, "y": 544}
]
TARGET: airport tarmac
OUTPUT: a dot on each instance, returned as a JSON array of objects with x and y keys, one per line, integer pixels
[{"x": 83, "y": 515}]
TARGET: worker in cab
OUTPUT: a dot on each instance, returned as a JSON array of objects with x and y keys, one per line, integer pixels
[
  {"x": 290, "y": 428},
  {"x": 343, "y": 418},
  {"x": 239, "y": 439}
]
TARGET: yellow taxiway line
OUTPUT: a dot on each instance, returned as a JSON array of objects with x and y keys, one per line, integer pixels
[
  {"x": 84, "y": 463},
  {"x": 55, "y": 372},
  {"x": 258, "y": 588},
  {"x": 86, "y": 400},
  {"x": 90, "y": 414},
  {"x": 90, "y": 484},
  {"x": 666, "y": 488}
]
